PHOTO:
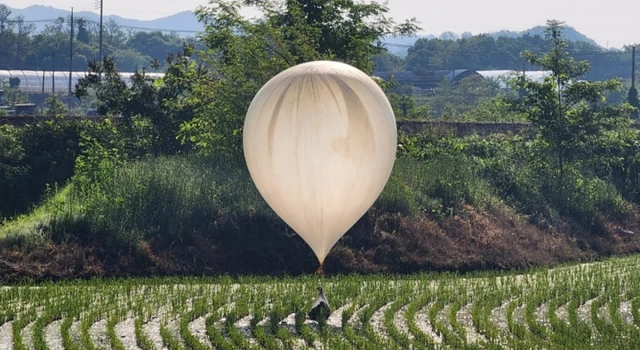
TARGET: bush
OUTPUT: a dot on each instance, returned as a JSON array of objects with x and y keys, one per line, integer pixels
[
  {"x": 48, "y": 153},
  {"x": 35, "y": 156},
  {"x": 437, "y": 186},
  {"x": 583, "y": 198},
  {"x": 12, "y": 169},
  {"x": 529, "y": 183}
]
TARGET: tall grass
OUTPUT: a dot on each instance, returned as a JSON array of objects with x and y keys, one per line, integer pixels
[
  {"x": 170, "y": 197},
  {"x": 438, "y": 186},
  {"x": 160, "y": 197}
]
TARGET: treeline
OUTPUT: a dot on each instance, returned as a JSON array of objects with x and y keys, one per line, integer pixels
[
  {"x": 484, "y": 52},
  {"x": 22, "y": 48}
]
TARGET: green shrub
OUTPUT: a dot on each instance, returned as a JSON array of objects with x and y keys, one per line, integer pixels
[
  {"x": 437, "y": 186},
  {"x": 49, "y": 153},
  {"x": 583, "y": 198},
  {"x": 35, "y": 156}
]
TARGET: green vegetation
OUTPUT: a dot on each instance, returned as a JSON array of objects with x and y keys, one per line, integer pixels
[
  {"x": 160, "y": 185},
  {"x": 566, "y": 307},
  {"x": 485, "y": 52},
  {"x": 21, "y": 47}
]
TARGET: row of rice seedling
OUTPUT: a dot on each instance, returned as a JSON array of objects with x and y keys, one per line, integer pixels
[{"x": 591, "y": 305}]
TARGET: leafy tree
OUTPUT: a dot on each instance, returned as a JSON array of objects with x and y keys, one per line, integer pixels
[
  {"x": 571, "y": 116},
  {"x": 486, "y": 52},
  {"x": 54, "y": 106},
  {"x": 14, "y": 82},
  {"x": 4, "y": 17},
  {"x": 164, "y": 103},
  {"x": 12, "y": 95},
  {"x": 12, "y": 169},
  {"x": 154, "y": 44},
  {"x": 297, "y": 32},
  {"x": 388, "y": 62},
  {"x": 83, "y": 35}
]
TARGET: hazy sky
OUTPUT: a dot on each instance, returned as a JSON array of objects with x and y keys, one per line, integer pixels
[{"x": 609, "y": 22}]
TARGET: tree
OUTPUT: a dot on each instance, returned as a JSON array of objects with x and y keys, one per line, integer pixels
[
  {"x": 83, "y": 35},
  {"x": 113, "y": 34},
  {"x": 154, "y": 44},
  {"x": 12, "y": 95},
  {"x": 54, "y": 106},
  {"x": 4, "y": 17},
  {"x": 387, "y": 62},
  {"x": 246, "y": 54},
  {"x": 571, "y": 116},
  {"x": 164, "y": 103}
]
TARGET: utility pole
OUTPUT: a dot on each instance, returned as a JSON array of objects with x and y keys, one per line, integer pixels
[
  {"x": 100, "y": 33},
  {"x": 633, "y": 92},
  {"x": 633, "y": 67},
  {"x": 453, "y": 66},
  {"x": 71, "y": 52},
  {"x": 53, "y": 72}
]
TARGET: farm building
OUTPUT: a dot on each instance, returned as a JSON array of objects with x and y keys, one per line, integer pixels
[{"x": 46, "y": 82}]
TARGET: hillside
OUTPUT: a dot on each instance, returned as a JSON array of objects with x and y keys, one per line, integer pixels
[{"x": 569, "y": 33}]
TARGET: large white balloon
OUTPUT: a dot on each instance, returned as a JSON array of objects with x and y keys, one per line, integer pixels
[{"x": 320, "y": 142}]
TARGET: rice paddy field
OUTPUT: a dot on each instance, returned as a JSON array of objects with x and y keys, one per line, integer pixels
[{"x": 570, "y": 307}]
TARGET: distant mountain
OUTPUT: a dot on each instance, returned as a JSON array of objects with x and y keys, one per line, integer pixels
[
  {"x": 569, "y": 33},
  {"x": 183, "y": 21},
  {"x": 186, "y": 21}
]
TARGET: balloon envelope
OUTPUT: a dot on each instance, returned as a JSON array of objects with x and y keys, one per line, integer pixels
[{"x": 320, "y": 142}]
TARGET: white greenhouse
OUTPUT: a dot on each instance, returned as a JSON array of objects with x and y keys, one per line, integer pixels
[{"x": 46, "y": 82}]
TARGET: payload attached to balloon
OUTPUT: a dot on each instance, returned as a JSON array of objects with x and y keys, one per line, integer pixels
[{"x": 320, "y": 142}]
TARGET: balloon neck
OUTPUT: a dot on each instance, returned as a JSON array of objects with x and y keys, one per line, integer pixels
[{"x": 320, "y": 271}]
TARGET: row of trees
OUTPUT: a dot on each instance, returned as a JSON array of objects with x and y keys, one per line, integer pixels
[
  {"x": 21, "y": 47},
  {"x": 485, "y": 52}
]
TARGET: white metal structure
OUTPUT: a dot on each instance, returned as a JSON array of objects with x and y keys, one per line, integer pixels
[
  {"x": 502, "y": 75},
  {"x": 38, "y": 82}
]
